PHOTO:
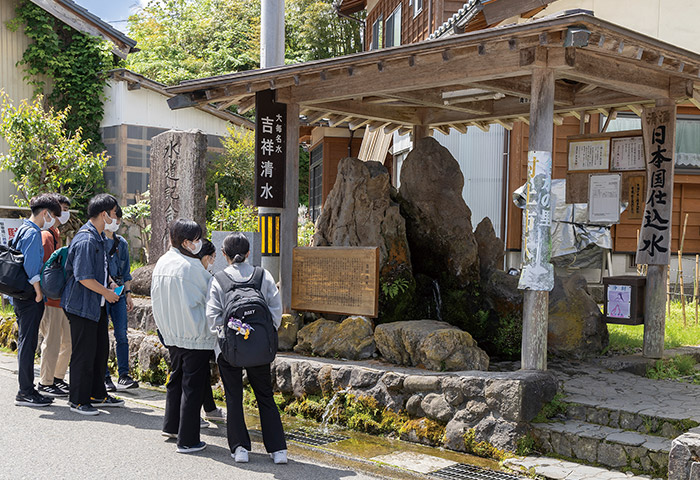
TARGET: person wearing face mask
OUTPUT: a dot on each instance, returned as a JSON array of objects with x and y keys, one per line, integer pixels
[
  {"x": 207, "y": 255},
  {"x": 117, "y": 250},
  {"x": 45, "y": 208},
  {"x": 179, "y": 288},
  {"x": 54, "y": 328},
  {"x": 84, "y": 300}
]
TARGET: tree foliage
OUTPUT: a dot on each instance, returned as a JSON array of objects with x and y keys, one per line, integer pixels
[
  {"x": 186, "y": 39},
  {"x": 73, "y": 62},
  {"x": 234, "y": 170},
  {"x": 43, "y": 157}
]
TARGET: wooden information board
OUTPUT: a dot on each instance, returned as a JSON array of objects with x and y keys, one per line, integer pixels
[{"x": 342, "y": 280}]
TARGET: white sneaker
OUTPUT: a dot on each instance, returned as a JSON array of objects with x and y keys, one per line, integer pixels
[
  {"x": 219, "y": 414},
  {"x": 280, "y": 456},
  {"x": 203, "y": 423},
  {"x": 240, "y": 455}
]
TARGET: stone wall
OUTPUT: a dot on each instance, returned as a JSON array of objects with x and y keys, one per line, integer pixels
[
  {"x": 684, "y": 458},
  {"x": 496, "y": 405}
]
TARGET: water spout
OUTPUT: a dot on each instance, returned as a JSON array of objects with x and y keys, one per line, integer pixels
[
  {"x": 329, "y": 409},
  {"x": 438, "y": 299}
]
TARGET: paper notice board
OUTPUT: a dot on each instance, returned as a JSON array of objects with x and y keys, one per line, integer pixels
[
  {"x": 604, "y": 198},
  {"x": 619, "y": 301},
  {"x": 589, "y": 155},
  {"x": 627, "y": 153}
]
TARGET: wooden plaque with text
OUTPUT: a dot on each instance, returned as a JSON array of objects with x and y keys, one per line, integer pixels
[{"x": 343, "y": 280}]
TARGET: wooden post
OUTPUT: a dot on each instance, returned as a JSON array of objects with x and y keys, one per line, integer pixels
[
  {"x": 289, "y": 221},
  {"x": 654, "y": 300},
  {"x": 680, "y": 270},
  {"x": 695, "y": 289},
  {"x": 668, "y": 290},
  {"x": 420, "y": 131},
  {"x": 536, "y": 302}
]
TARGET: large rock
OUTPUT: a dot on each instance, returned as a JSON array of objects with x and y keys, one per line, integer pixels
[
  {"x": 491, "y": 248},
  {"x": 359, "y": 212},
  {"x": 576, "y": 325},
  {"x": 438, "y": 221},
  {"x": 352, "y": 339},
  {"x": 287, "y": 333},
  {"x": 502, "y": 294},
  {"x": 141, "y": 316},
  {"x": 141, "y": 280},
  {"x": 430, "y": 343}
]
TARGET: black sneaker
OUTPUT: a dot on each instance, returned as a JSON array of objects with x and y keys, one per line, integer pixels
[
  {"x": 109, "y": 385},
  {"x": 51, "y": 391},
  {"x": 108, "y": 401},
  {"x": 85, "y": 409},
  {"x": 125, "y": 382},
  {"x": 194, "y": 448},
  {"x": 33, "y": 399},
  {"x": 60, "y": 383}
]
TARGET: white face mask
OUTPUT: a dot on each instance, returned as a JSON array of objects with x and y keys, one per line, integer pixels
[
  {"x": 112, "y": 227},
  {"x": 197, "y": 247},
  {"x": 65, "y": 215},
  {"x": 48, "y": 222}
]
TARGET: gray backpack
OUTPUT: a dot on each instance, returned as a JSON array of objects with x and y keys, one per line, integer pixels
[{"x": 244, "y": 303}]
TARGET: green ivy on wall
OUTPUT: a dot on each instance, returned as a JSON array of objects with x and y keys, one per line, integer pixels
[{"x": 73, "y": 65}]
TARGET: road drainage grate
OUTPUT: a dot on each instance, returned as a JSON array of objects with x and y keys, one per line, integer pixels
[
  {"x": 463, "y": 471},
  {"x": 313, "y": 438}
]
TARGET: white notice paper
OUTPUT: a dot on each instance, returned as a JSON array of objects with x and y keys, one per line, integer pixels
[
  {"x": 604, "y": 198},
  {"x": 627, "y": 153},
  {"x": 589, "y": 154},
  {"x": 619, "y": 301}
]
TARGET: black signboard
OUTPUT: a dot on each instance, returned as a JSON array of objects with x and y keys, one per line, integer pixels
[{"x": 270, "y": 150}]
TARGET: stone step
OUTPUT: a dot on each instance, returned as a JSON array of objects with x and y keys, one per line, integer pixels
[
  {"x": 643, "y": 422},
  {"x": 602, "y": 445},
  {"x": 557, "y": 469}
]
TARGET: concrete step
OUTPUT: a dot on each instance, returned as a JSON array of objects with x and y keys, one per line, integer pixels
[
  {"x": 607, "y": 446},
  {"x": 649, "y": 424},
  {"x": 557, "y": 469}
]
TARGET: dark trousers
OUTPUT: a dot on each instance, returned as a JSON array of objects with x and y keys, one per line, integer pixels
[
  {"x": 28, "y": 313},
  {"x": 208, "y": 395},
  {"x": 184, "y": 393},
  {"x": 88, "y": 360},
  {"x": 260, "y": 380}
]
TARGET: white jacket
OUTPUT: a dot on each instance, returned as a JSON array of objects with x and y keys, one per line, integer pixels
[
  {"x": 179, "y": 295},
  {"x": 242, "y": 272}
]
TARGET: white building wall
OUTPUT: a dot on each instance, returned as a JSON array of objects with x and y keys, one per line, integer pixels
[{"x": 148, "y": 108}]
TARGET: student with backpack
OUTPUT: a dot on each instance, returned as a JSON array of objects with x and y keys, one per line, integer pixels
[
  {"x": 84, "y": 299},
  {"x": 245, "y": 308},
  {"x": 45, "y": 209},
  {"x": 179, "y": 286},
  {"x": 54, "y": 328},
  {"x": 120, "y": 272}
]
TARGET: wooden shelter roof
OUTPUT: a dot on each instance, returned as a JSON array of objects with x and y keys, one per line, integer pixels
[{"x": 474, "y": 78}]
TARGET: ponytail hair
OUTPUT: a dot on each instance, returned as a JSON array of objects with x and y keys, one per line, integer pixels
[{"x": 236, "y": 246}]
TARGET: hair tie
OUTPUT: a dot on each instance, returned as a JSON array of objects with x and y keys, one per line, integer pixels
[{"x": 239, "y": 258}]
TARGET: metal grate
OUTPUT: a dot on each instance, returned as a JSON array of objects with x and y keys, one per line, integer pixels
[
  {"x": 463, "y": 471},
  {"x": 308, "y": 437}
]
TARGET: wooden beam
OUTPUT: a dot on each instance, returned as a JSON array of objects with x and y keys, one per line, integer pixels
[
  {"x": 391, "y": 128},
  {"x": 520, "y": 87},
  {"x": 459, "y": 127},
  {"x": 316, "y": 116},
  {"x": 358, "y": 123},
  {"x": 432, "y": 98},
  {"x": 403, "y": 115},
  {"x": 246, "y": 105},
  {"x": 399, "y": 75}
]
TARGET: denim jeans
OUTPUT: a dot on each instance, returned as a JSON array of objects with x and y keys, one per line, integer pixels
[
  {"x": 28, "y": 313},
  {"x": 117, "y": 312}
]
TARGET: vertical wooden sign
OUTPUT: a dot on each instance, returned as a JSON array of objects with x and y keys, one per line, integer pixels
[
  {"x": 270, "y": 150},
  {"x": 658, "y": 130}
]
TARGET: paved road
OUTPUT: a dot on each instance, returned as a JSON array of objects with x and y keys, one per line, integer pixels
[{"x": 54, "y": 443}]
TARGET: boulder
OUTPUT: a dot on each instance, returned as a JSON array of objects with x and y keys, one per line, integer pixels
[
  {"x": 501, "y": 293},
  {"x": 287, "y": 333},
  {"x": 438, "y": 221},
  {"x": 430, "y": 343},
  {"x": 352, "y": 339},
  {"x": 150, "y": 353},
  {"x": 491, "y": 248},
  {"x": 576, "y": 325},
  {"x": 141, "y": 316},
  {"x": 141, "y": 280},
  {"x": 359, "y": 212}
]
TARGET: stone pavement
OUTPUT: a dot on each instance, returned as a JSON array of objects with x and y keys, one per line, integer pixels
[{"x": 562, "y": 470}]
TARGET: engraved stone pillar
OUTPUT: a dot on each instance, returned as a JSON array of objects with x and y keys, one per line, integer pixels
[{"x": 178, "y": 184}]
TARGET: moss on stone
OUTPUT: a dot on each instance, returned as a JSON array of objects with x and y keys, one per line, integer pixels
[
  {"x": 483, "y": 448},
  {"x": 8, "y": 332}
]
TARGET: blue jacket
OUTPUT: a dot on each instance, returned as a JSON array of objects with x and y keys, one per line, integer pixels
[
  {"x": 87, "y": 259},
  {"x": 28, "y": 241},
  {"x": 119, "y": 264}
]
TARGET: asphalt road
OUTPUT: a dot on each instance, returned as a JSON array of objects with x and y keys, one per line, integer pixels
[{"x": 54, "y": 443}]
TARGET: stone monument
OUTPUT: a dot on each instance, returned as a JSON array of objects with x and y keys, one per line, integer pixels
[{"x": 178, "y": 184}]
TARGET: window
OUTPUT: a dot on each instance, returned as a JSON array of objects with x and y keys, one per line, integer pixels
[
  {"x": 393, "y": 28},
  {"x": 316, "y": 182},
  {"x": 417, "y": 7},
  {"x": 377, "y": 33}
]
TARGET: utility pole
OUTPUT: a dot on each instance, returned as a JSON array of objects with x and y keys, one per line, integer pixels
[{"x": 272, "y": 55}]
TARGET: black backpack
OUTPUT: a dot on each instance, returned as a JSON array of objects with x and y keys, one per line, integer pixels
[
  {"x": 245, "y": 302},
  {"x": 13, "y": 278}
]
